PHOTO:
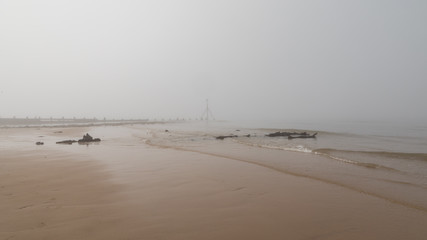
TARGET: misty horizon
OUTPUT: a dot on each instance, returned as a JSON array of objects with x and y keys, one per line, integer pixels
[{"x": 254, "y": 60}]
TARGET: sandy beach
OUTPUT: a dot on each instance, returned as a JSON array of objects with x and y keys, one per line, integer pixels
[{"x": 131, "y": 187}]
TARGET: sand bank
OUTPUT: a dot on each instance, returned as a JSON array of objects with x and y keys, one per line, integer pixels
[{"x": 124, "y": 188}]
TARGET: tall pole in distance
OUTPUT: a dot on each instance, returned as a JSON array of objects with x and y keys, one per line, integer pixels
[{"x": 207, "y": 112}]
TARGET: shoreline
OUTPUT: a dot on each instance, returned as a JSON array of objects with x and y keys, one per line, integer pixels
[
  {"x": 126, "y": 188},
  {"x": 306, "y": 176}
]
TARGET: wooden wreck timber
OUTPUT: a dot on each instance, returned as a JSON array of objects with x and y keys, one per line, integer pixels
[
  {"x": 230, "y": 136},
  {"x": 66, "y": 142},
  {"x": 227, "y": 136},
  {"x": 86, "y": 139},
  {"x": 286, "y": 134},
  {"x": 292, "y": 135},
  {"x": 302, "y": 136}
]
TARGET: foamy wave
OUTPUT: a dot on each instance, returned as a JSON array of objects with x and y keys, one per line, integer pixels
[
  {"x": 397, "y": 155},
  {"x": 298, "y": 148},
  {"x": 361, "y": 164},
  {"x": 337, "y": 158}
]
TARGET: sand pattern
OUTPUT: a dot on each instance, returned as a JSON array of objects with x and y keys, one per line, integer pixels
[{"x": 131, "y": 187}]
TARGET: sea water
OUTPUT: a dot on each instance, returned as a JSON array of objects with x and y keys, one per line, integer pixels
[
  {"x": 398, "y": 146},
  {"x": 388, "y": 151},
  {"x": 382, "y": 160}
]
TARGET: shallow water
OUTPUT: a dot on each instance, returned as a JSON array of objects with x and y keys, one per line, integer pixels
[
  {"x": 406, "y": 152},
  {"x": 389, "y": 167}
]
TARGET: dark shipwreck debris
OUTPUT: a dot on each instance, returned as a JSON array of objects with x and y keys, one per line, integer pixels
[
  {"x": 226, "y": 136},
  {"x": 286, "y": 134},
  {"x": 230, "y": 136},
  {"x": 66, "y": 142},
  {"x": 292, "y": 135},
  {"x": 86, "y": 139},
  {"x": 302, "y": 136}
]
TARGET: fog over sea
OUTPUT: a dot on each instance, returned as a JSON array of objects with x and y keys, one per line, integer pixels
[{"x": 184, "y": 96}]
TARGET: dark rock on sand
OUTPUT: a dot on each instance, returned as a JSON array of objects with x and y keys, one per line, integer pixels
[
  {"x": 66, "y": 142},
  {"x": 230, "y": 136},
  {"x": 88, "y": 138},
  {"x": 227, "y": 136}
]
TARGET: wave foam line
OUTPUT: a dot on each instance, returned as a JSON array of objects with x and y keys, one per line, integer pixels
[
  {"x": 398, "y": 155},
  {"x": 299, "y": 148},
  {"x": 322, "y": 152},
  {"x": 361, "y": 164}
]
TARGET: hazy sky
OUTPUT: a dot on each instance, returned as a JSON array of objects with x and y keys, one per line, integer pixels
[{"x": 260, "y": 59}]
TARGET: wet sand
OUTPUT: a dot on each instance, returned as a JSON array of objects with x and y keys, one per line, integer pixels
[{"x": 124, "y": 188}]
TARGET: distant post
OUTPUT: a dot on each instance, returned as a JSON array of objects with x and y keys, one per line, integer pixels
[{"x": 207, "y": 112}]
